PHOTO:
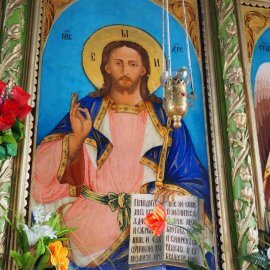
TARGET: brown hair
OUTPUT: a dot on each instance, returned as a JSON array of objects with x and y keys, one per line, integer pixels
[{"x": 105, "y": 89}]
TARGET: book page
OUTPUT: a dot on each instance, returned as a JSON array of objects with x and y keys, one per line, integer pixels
[
  {"x": 178, "y": 247},
  {"x": 143, "y": 246}
]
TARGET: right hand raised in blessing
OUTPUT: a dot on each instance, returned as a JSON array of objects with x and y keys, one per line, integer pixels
[{"x": 80, "y": 119}]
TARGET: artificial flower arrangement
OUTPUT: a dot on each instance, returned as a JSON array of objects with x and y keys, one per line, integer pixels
[
  {"x": 13, "y": 109},
  {"x": 41, "y": 245},
  {"x": 156, "y": 222}
]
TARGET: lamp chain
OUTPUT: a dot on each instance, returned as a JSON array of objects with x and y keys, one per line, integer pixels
[{"x": 188, "y": 48}]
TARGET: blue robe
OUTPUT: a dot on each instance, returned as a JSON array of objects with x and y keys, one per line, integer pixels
[{"x": 182, "y": 168}]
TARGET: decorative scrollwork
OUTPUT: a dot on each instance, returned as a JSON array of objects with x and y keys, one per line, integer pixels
[
  {"x": 238, "y": 134},
  {"x": 256, "y": 3},
  {"x": 52, "y": 9},
  {"x": 255, "y": 20}
]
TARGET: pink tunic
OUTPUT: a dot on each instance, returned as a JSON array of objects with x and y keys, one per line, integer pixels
[{"x": 97, "y": 226}]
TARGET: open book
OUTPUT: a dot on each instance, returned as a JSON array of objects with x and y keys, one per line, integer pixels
[{"x": 173, "y": 247}]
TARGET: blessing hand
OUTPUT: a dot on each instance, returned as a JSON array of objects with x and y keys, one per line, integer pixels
[{"x": 81, "y": 124}]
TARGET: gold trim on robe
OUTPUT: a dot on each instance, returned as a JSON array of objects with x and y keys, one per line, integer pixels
[
  {"x": 135, "y": 109},
  {"x": 53, "y": 137},
  {"x": 64, "y": 158},
  {"x": 149, "y": 163},
  {"x": 102, "y": 111},
  {"x": 91, "y": 142},
  {"x": 104, "y": 155}
]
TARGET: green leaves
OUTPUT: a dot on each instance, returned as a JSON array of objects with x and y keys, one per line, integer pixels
[
  {"x": 2, "y": 151},
  {"x": 12, "y": 149},
  {"x": 44, "y": 261},
  {"x": 36, "y": 255},
  {"x": 25, "y": 262},
  {"x": 8, "y": 143},
  {"x": 9, "y": 140},
  {"x": 258, "y": 258},
  {"x": 196, "y": 234},
  {"x": 17, "y": 257},
  {"x": 18, "y": 130}
]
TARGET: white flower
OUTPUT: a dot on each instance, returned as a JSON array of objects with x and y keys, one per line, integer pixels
[
  {"x": 38, "y": 231},
  {"x": 31, "y": 237},
  {"x": 40, "y": 214},
  {"x": 268, "y": 253},
  {"x": 44, "y": 231}
]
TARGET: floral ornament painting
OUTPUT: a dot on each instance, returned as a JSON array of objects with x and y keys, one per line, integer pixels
[{"x": 13, "y": 109}]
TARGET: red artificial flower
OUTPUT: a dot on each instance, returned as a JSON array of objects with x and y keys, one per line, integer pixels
[
  {"x": 23, "y": 111},
  {"x": 14, "y": 105},
  {"x": 156, "y": 221},
  {"x": 19, "y": 95},
  {"x": 9, "y": 106},
  {"x": 7, "y": 120},
  {"x": 2, "y": 87}
]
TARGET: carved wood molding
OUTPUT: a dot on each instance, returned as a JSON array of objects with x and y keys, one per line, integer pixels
[
  {"x": 256, "y": 20},
  {"x": 256, "y": 3},
  {"x": 52, "y": 9}
]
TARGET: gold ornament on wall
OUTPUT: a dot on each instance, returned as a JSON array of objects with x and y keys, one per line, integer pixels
[{"x": 256, "y": 20}]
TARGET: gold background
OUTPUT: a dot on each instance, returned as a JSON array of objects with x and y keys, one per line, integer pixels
[{"x": 256, "y": 20}]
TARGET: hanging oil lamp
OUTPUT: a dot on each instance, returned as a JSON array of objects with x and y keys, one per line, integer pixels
[{"x": 175, "y": 87}]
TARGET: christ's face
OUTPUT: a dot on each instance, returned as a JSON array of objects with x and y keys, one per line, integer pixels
[{"x": 126, "y": 69}]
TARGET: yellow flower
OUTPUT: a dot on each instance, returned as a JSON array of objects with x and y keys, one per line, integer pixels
[{"x": 59, "y": 255}]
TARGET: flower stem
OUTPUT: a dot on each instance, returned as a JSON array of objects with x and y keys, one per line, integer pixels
[{"x": 199, "y": 245}]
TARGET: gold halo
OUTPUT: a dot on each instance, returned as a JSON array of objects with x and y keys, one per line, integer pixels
[{"x": 93, "y": 48}]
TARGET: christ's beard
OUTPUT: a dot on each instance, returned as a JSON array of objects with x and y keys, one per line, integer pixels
[{"x": 125, "y": 85}]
